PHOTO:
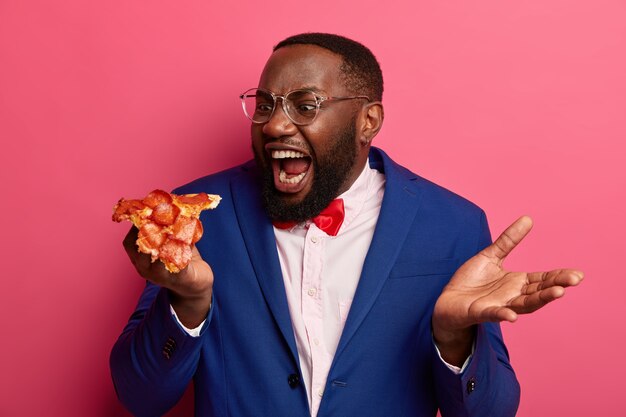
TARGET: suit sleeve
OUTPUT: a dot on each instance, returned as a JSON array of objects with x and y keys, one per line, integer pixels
[
  {"x": 154, "y": 359},
  {"x": 487, "y": 386}
]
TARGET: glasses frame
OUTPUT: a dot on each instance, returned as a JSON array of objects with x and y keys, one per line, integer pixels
[{"x": 319, "y": 99}]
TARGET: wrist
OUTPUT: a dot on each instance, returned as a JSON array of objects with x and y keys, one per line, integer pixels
[
  {"x": 191, "y": 310},
  {"x": 454, "y": 346},
  {"x": 445, "y": 337}
]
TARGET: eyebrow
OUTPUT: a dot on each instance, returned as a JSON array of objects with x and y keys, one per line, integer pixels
[
  {"x": 312, "y": 88},
  {"x": 304, "y": 87}
]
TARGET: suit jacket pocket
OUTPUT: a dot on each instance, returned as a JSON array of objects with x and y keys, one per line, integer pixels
[{"x": 424, "y": 268}]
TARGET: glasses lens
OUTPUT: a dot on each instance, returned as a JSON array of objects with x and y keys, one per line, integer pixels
[
  {"x": 301, "y": 106},
  {"x": 258, "y": 105}
]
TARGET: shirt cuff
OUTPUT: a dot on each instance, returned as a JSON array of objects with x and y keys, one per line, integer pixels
[
  {"x": 195, "y": 332},
  {"x": 453, "y": 368}
]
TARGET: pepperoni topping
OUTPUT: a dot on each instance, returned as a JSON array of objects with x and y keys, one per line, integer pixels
[
  {"x": 194, "y": 199},
  {"x": 125, "y": 208},
  {"x": 150, "y": 238},
  {"x": 198, "y": 232},
  {"x": 168, "y": 224},
  {"x": 165, "y": 214},
  {"x": 157, "y": 197},
  {"x": 175, "y": 253},
  {"x": 185, "y": 229}
]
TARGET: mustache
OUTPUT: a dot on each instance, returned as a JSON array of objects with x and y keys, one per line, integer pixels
[{"x": 290, "y": 141}]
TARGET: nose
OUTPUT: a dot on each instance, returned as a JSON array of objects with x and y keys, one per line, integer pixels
[{"x": 279, "y": 124}]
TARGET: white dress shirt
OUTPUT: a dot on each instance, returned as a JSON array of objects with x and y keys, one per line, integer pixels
[{"x": 321, "y": 273}]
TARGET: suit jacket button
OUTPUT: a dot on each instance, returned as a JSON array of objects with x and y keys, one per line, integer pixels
[
  {"x": 293, "y": 380},
  {"x": 170, "y": 342},
  {"x": 169, "y": 347},
  {"x": 471, "y": 385}
]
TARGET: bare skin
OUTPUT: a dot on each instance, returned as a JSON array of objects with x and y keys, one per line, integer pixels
[
  {"x": 190, "y": 289},
  {"x": 313, "y": 67},
  {"x": 481, "y": 290},
  {"x": 287, "y": 69}
]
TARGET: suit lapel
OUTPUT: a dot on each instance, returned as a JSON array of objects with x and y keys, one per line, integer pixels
[
  {"x": 399, "y": 207},
  {"x": 260, "y": 242}
]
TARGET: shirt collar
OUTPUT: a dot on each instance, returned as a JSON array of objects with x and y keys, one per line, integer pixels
[{"x": 354, "y": 198}]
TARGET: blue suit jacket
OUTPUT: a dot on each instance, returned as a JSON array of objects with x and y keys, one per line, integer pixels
[{"x": 245, "y": 362}]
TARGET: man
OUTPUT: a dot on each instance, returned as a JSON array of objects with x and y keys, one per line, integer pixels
[{"x": 325, "y": 284}]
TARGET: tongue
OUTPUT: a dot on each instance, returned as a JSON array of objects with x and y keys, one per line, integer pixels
[{"x": 295, "y": 166}]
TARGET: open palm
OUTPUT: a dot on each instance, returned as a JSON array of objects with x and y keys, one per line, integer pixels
[{"x": 481, "y": 290}]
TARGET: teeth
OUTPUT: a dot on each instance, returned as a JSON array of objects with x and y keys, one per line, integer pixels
[
  {"x": 282, "y": 176},
  {"x": 284, "y": 154},
  {"x": 287, "y": 154}
]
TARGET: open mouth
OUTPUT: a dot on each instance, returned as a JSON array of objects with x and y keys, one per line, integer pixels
[{"x": 291, "y": 169}]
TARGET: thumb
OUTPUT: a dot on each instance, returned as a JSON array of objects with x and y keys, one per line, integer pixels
[{"x": 509, "y": 239}]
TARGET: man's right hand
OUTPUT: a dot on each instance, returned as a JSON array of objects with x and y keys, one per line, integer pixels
[{"x": 190, "y": 290}]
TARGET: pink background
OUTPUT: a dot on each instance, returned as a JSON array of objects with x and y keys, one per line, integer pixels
[{"x": 519, "y": 106}]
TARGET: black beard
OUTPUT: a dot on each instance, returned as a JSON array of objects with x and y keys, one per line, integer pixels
[{"x": 331, "y": 171}]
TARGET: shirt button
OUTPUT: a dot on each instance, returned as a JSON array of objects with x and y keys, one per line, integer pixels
[
  {"x": 316, "y": 341},
  {"x": 314, "y": 239},
  {"x": 320, "y": 392},
  {"x": 312, "y": 291}
]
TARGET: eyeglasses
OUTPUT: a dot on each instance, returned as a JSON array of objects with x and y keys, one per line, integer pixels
[{"x": 300, "y": 106}]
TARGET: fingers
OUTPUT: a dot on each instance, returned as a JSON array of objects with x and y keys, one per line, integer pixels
[
  {"x": 509, "y": 239},
  {"x": 496, "y": 314},
  {"x": 130, "y": 239},
  {"x": 195, "y": 279},
  {"x": 139, "y": 260},
  {"x": 545, "y": 287},
  {"x": 561, "y": 277},
  {"x": 525, "y": 304},
  {"x": 522, "y": 304},
  {"x": 195, "y": 254},
  {"x": 152, "y": 271}
]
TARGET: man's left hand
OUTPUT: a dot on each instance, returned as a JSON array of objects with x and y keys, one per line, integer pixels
[{"x": 481, "y": 290}]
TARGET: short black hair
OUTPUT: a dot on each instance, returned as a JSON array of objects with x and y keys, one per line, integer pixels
[{"x": 360, "y": 67}]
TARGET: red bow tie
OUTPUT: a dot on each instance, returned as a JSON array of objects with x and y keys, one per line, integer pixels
[{"x": 329, "y": 220}]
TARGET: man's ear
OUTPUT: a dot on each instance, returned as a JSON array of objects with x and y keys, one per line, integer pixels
[{"x": 370, "y": 121}]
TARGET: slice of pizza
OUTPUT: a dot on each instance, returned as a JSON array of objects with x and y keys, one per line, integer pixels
[{"x": 168, "y": 224}]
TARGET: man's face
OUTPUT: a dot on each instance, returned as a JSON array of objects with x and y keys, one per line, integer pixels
[{"x": 306, "y": 167}]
